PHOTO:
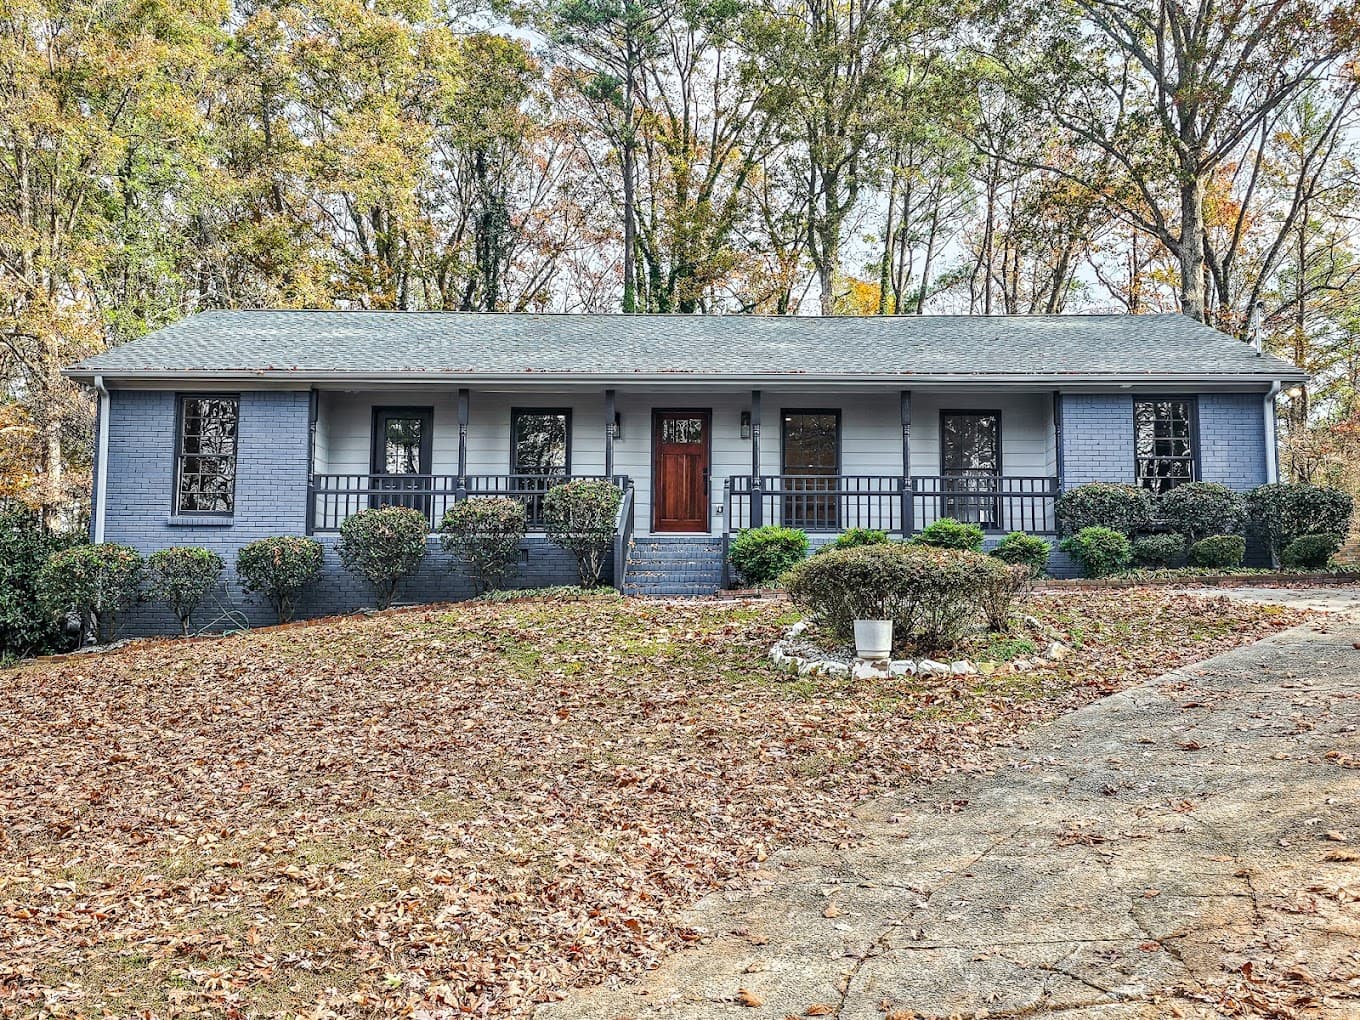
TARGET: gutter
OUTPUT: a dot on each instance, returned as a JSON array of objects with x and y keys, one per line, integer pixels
[
  {"x": 301, "y": 379},
  {"x": 101, "y": 459},
  {"x": 1272, "y": 439}
]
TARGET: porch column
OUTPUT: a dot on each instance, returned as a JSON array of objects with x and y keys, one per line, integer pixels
[
  {"x": 757, "y": 503},
  {"x": 313, "y": 411},
  {"x": 609, "y": 434},
  {"x": 464, "y": 406},
  {"x": 1058, "y": 437},
  {"x": 908, "y": 502}
]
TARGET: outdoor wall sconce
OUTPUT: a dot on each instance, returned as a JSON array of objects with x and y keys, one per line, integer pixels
[
  {"x": 618, "y": 426},
  {"x": 745, "y": 424}
]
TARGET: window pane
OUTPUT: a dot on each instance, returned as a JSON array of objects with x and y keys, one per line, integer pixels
[
  {"x": 811, "y": 443},
  {"x": 539, "y": 440},
  {"x": 401, "y": 445},
  {"x": 682, "y": 430},
  {"x": 1162, "y": 443},
  {"x": 971, "y": 444},
  {"x": 207, "y": 455}
]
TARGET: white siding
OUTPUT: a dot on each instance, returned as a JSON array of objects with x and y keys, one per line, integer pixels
[{"x": 871, "y": 435}]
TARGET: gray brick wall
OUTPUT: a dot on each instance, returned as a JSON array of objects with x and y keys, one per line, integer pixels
[
  {"x": 271, "y": 499},
  {"x": 1097, "y": 438},
  {"x": 1232, "y": 439}
]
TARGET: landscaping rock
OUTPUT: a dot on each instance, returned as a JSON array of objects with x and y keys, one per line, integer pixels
[
  {"x": 901, "y": 667},
  {"x": 870, "y": 669},
  {"x": 1056, "y": 651},
  {"x": 962, "y": 667},
  {"x": 929, "y": 667}
]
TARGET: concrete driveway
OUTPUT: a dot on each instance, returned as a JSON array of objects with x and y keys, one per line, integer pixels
[{"x": 1188, "y": 848}]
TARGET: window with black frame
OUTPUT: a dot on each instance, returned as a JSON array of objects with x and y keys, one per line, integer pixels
[
  {"x": 970, "y": 460},
  {"x": 810, "y": 464},
  {"x": 205, "y": 467},
  {"x": 1164, "y": 443},
  {"x": 540, "y": 453}
]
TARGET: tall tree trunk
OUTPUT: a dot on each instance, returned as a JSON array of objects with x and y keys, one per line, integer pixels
[{"x": 1190, "y": 250}]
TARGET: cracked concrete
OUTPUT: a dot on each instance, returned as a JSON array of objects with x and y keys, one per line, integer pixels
[{"x": 1190, "y": 847}]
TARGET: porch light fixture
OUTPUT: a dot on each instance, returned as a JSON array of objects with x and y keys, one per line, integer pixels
[
  {"x": 745, "y": 424},
  {"x": 1294, "y": 392},
  {"x": 618, "y": 426}
]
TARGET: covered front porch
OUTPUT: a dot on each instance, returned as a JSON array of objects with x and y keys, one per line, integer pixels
[{"x": 698, "y": 462}]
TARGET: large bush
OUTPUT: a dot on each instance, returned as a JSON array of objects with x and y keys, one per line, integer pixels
[
  {"x": 383, "y": 545},
  {"x": 1219, "y": 552},
  {"x": 1158, "y": 551},
  {"x": 1126, "y": 509},
  {"x": 581, "y": 517},
  {"x": 1100, "y": 551},
  {"x": 279, "y": 568},
  {"x": 1199, "y": 509},
  {"x": 762, "y": 554},
  {"x": 1028, "y": 550},
  {"x": 1000, "y": 591},
  {"x": 93, "y": 582},
  {"x": 929, "y": 593},
  {"x": 1283, "y": 511},
  {"x": 181, "y": 577},
  {"x": 947, "y": 533},
  {"x": 486, "y": 533},
  {"x": 26, "y": 628},
  {"x": 1310, "y": 552}
]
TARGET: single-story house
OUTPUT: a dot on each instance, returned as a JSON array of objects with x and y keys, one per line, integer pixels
[{"x": 232, "y": 425}]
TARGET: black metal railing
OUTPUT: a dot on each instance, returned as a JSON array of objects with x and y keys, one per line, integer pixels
[
  {"x": 623, "y": 537},
  {"x": 334, "y": 497},
  {"x": 996, "y": 502},
  {"x": 891, "y": 503}
]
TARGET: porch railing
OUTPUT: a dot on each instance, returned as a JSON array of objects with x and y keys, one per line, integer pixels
[
  {"x": 892, "y": 503},
  {"x": 334, "y": 497},
  {"x": 623, "y": 537}
]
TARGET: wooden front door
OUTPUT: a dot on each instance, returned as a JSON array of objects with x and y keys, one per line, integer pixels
[{"x": 680, "y": 449}]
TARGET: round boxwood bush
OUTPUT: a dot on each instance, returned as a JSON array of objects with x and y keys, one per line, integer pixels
[
  {"x": 1310, "y": 552},
  {"x": 1126, "y": 509},
  {"x": 947, "y": 533},
  {"x": 383, "y": 545},
  {"x": 762, "y": 554},
  {"x": 1282, "y": 511},
  {"x": 581, "y": 517},
  {"x": 95, "y": 582},
  {"x": 929, "y": 593},
  {"x": 486, "y": 533},
  {"x": 1100, "y": 551},
  {"x": 1157, "y": 552},
  {"x": 181, "y": 577},
  {"x": 852, "y": 538},
  {"x": 279, "y": 568},
  {"x": 1218, "y": 552},
  {"x": 1027, "y": 550},
  {"x": 1199, "y": 509}
]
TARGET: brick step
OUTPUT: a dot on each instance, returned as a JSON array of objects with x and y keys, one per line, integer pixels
[{"x": 672, "y": 590}]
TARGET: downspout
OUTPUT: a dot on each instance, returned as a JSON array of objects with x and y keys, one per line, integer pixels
[
  {"x": 101, "y": 462},
  {"x": 1272, "y": 440}
]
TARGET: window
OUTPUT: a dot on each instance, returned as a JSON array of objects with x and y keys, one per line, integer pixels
[
  {"x": 1164, "y": 443},
  {"x": 205, "y": 468},
  {"x": 811, "y": 457},
  {"x": 540, "y": 442},
  {"x": 970, "y": 460}
]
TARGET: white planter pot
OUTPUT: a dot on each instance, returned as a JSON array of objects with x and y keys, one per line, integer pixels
[{"x": 873, "y": 639}]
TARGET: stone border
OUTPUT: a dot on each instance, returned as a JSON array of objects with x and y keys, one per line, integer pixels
[{"x": 786, "y": 659}]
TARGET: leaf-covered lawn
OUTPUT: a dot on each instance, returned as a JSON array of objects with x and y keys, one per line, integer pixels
[{"x": 474, "y": 806}]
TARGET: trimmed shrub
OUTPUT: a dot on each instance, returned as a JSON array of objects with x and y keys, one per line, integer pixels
[
  {"x": 1028, "y": 550},
  {"x": 947, "y": 533},
  {"x": 383, "y": 545},
  {"x": 762, "y": 554},
  {"x": 95, "y": 582},
  {"x": 1126, "y": 509},
  {"x": 181, "y": 577},
  {"x": 1100, "y": 551},
  {"x": 1283, "y": 511},
  {"x": 279, "y": 568},
  {"x": 486, "y": 533},
  {"x": 1310, "y": 552},
  {"x": 929, "y": 593},
  {"x": 853, "y": 538},
  {"x": 1000, "y": 591},
  {"x": 1199, "y": 509},
  {"x": 581, "y": 518},
  {"x": 1157, "y": 552},
  {"x": 1219, "y": 552},
  {"x": 26, "y": 628}
]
